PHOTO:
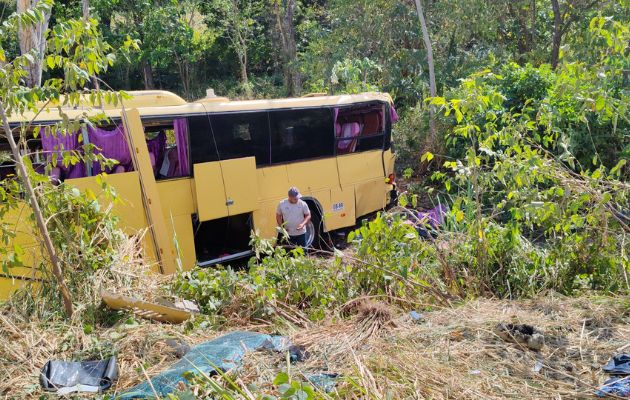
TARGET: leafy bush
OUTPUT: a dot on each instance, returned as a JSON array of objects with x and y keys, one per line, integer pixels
[
  {"x": 389, "y": 263},
  {"x": 530, "y": 214}
]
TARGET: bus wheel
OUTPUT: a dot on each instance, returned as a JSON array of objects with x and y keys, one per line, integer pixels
[{"x": 314, "y": 228}]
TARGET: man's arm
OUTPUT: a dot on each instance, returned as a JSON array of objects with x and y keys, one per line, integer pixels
[
  {"x": 307, "y": 217},
  {"x": 279, "y": 219}
]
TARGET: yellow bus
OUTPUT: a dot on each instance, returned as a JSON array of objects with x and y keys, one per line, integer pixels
[{"x": 209, "y": 172}]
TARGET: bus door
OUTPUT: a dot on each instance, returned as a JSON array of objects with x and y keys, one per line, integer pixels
[
  {"x": 226, "y": 188},
  {"x": 165, "y": 251}
]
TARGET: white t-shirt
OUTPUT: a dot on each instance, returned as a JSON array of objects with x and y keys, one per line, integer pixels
[{"x": 293, "y": 215}]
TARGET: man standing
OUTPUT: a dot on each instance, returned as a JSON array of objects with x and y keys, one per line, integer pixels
[{"x": 293, "y": 214}]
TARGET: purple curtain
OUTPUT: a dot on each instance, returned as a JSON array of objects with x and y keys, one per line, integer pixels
[
  {"x": 111, "y": 144},
  {"x": 181, "y": 138},
  {"x": 157, "y": 146},
  {"x": 393, "y": 114},
  {"x": 58, "y": 144}
]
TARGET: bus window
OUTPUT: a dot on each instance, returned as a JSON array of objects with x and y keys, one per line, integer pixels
[
  {"x": 360, "y": 128},
  {"x": 242, "y": 135},
  {"x": 167, "y": 142},
  {"x": 202, "y": 146},
  {"x": 301, "y": 134},
  {"x": 112, "y": 144},
  {"x": 54, "y": 147}
]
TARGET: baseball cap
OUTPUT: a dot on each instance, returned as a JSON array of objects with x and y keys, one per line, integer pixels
[{"x": 294, "y": 192}]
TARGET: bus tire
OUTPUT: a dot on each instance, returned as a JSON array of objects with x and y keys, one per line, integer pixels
[{"x": 315, "y": 231}]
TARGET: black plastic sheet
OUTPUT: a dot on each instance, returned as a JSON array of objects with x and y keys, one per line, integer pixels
[{"x": 85, "y": 376}]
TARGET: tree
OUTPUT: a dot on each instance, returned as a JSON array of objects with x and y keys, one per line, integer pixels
[
  {"x": 432, "y": 88},
  {"x": 32, "y": 40},
  {"x": 75, "y": 51},
  {"x": 283, "y": 12},
  {"x": 563, "y": 17},
  {"x": 236, "y": 17}
]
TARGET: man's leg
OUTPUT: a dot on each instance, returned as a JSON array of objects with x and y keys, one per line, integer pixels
[{"x": 299, "y": 240}]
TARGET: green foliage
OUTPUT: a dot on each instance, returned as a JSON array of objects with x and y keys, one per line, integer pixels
[
  {"x": 285, "y": 388},
  {"x": 534, "y": 216},
  {"x": 388, "y": 264},
  {"x": 87, "y": 240},
  {"x": 83, "y": 236},
  {"x": 351, "y": 76}
]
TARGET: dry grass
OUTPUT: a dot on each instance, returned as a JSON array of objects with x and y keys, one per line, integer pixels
[
  {"x": 380, "y": 353},
  {"x": 454, "y": 354}
]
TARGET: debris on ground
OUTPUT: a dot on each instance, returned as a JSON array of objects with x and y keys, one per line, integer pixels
[
  {"x": 368, "y": 345},
  {"x": 208, "y": 359},
  {"x": 160, "y": 310},
  {"x": 522, "y": 334},
  {"x": 618, "y": 365},
  {"x": 65, "y": 377},
  {"x": 619, "y": 383}
]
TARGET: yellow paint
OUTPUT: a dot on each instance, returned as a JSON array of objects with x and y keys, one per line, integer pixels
[
  {"x": 344, "y": 213},
  {"x": 209, "y": 191},
  {"x": 9, "y": 285},
  {"x": 265, "y": 219},
  {"x": 313, "y": 175},
  {"x": 177, "y": 197},
  {"x": 273, "y": 182},
  {"x": 370, "y": 196},
  {"x": 152, "y": 204},
  {"x": 127, "y": 187},
  {"x": 157, "y": 103},
  {"x": 389, "y": 158},
  {"x": 185, "y": 239},
  {"x": 360, "y": 167},
  {"x": 241, "y": 188}
]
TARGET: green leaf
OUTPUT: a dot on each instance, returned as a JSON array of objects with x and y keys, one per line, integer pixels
[
  {"x": 600, "y": 103},
  {"x": 281, "y": 378}
]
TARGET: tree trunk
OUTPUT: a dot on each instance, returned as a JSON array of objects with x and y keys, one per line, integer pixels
[
  {"x": 85, "y": 7},
  {"x": 557, "y": 33},
  {"x": 147, "y": 75},
  {"x": 32, "y": 38},
  {"x": 37, "y": 212},
  {"x": 284, "y": 15},
  {"x": 243, "y": 69},
  {"x": 432, "y": 88}
]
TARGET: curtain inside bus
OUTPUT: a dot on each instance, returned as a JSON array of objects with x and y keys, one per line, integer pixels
[
  {"x": 58, "y": 144},
  {"x": 111, "y": 143}
]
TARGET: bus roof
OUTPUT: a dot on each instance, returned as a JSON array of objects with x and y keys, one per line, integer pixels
[{"x": 163, "y": 103}]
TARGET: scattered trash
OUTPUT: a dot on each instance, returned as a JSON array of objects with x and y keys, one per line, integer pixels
[
  {"x": 537, "y": 367},
  {"x": 616, "y": 386},
  {"x": 619, "y": 383},
  {"x": 618, "y": 365},
  {"x": 164, "y": 312},
  {"x": 474, "y": 372},
  {"x": 64, "y": 377},
  {"x": 223, "y": 353},
  {"x": 522, "y": 334},
  {"x": 178, "y": 347},
  {"x": 298, "y": 353},
  {"x": 324, "y": 381},
  {"x": 416, "y": 316}
]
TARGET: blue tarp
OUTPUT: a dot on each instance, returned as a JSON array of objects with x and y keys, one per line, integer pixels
[
  {"x": 616, "y": 386},
  {"x": 619, "y": 384},
  {"x": 224, "y": 353},
  {"x": 618, "y": 365}
]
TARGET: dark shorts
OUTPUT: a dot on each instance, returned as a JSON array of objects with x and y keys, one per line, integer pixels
[{"x": 299, "y": 240}]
